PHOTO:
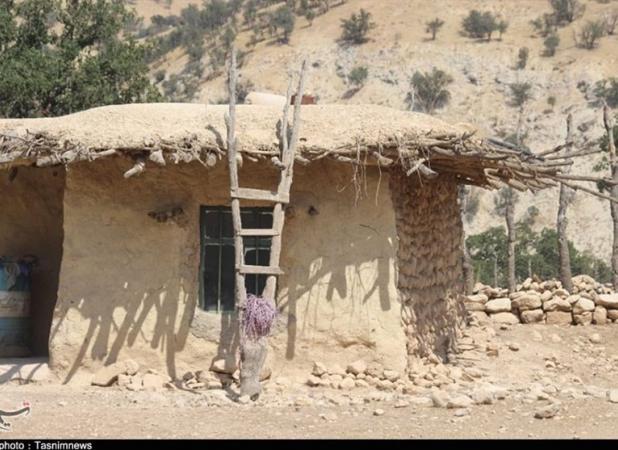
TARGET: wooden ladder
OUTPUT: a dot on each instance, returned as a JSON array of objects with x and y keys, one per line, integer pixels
[{"x": 278, "y": 197}]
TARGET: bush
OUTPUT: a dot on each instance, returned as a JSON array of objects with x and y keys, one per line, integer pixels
[
  {"x": 545, "y": 25},
  {"x": 520, "y": 93},
  {"x": 607, "y": 90},
  {"x": 590, "y": 34},
  {"x": 358, "y": 76},
  {"x": 566, "y": 10},
  {"x": 611, "y": 21},
  {"x": 551, "y": 43},
  {"x": 283, "y": 19},
  {"x": 522, "y": 58},
  {"x": 429, "y": 91},
  {"x": 433, "y": 27},
  {"x": 481, "y": 25},
  {"x": 310, "y": 16},
  {"x": 356, "y": 28},
  {"x": 502, "y": 27},
  {"x": 551, "y": 101}
]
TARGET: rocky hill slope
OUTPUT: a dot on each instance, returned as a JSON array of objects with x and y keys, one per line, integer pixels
[{"x": 482, "y": 72}]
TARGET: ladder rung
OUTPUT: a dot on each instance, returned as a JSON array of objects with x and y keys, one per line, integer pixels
[
  {"x": 260, "y": 194},
  {"x": 262, "y": 270},
  {"x": 258, "y": 232}
]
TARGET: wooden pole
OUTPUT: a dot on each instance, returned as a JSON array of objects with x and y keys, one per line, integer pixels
[
  {"x": 613, "y": 163},
  {"x": 565, "y": 199}
]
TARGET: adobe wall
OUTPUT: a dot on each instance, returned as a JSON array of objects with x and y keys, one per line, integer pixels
[
  {"x": 430, "y": 262},
  {"x": 31, "y": 223},
  {"x": 129, "y": 284}
]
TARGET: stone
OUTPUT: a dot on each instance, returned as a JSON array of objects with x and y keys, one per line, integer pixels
[
  {"x": 505, "y": 318},
  {"x": 336, "y": 370},
  {"x": 357, "y": 367},
  {"x": 107, "y": 375},
  {"x": 477, "y": 298},
  {"x": 214, "y": 384},
  {"x": 572, "y": 299},
  {"x": 474, "y": 306},
  {"x": 608, "y": 301},
  {"x": 612, "y": 395},
  {"x": 546, "y": 296},
  {"x": 401, "y": 404},
  {"x": 527, "y": 302},
  {"x": 361, "y": 384},
  {"x": 135, "y": 384},
  {"x": 224, "y": 365},
  {"x": 391, "y": 375},
  {"x": 265, "y": 373},
  {"x": 123, "y": 380},
  {"x": 558, "y": 318},
  {"x": 612, "y": 314},
  {"x": 532, "y": 316},
  {"x": 480, "y": 317},
  {"x": 378, "y": 412},
  {"x": 459, "y": 401},
  {"x": 555, "y": 338},
  {"x": 547, "y": 412},
  {"x": 375, "y": 370},
  {"x": 152, "y": 382},
  {"x": 560, "y": 292},
  {"x": 492, "y": 349},
  {"x": 439, "y": 398},
  {"x": 513, "y": 346},
  {"x": 595, "y": 338},
  {"x": 584, "y": 318},
  {"x": 131, "y": 367},
  {"x": 557, "y": 304},
  {"x": 583, "y": 305},
  {"x": 595, "y": 391},
  {"x": 498, "y": 305},
  {"x": 482, "y": 396},
  {"x": 314, "y": 381},
  {"x": 347, "y": 384},
  {"x": 319, "y": 369}
]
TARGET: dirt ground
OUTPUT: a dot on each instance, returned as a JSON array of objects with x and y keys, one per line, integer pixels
[{"x": 536, "y": 366}]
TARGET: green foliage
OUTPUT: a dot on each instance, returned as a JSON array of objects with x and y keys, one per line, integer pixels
[
  {"x": 356, "y": 28},
  {"x": 77, "y": 58},
  {"x": 358, "y": 76},
  {"x": 429, "y": 90},
  {"x": 551, "y": 43},
  {"x": 502, "y": 26},
  {"x": 504, "y": 196},
  {"x": 566, "y": 11},
  {"x": 545, "y": 25},
  {"x": 282, "y": 20},
  {"x": 607, "y": 90},
  {"x": 482, "y": 25},
  {"x": 310, "y": 16},
  {"x": 590, "y": 33},
  {"x": 433, "y": 27},
  {"x": 551, "y": 101},
  {"x": 520, "y": 93},
  {"x": 537, "y": 251},
  {"x": 522, "y": 58}
]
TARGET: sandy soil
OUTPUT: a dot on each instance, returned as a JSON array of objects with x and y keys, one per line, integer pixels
[{"x": 579, "y": 382}]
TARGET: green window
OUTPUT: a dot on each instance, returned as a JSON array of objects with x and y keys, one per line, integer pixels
[{"x": 217, "y": 280}]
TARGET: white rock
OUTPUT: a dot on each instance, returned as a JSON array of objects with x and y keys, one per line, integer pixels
[
  {"x": 378, "y": 412},
  {"x": 558, "y": 318},
  {"x": 314, "y": 381},
  {"x": 609, "y": 301},
  {"x": 557, "y": 304},
  {"x": 595, "y": 338},
  {"x": 527, "y": 302},
  {"x": 584, "y": 318},
  {"x": 357, "y": 367},
  {"x": 533, "y": 316},
  {"x": 583, "y": 305},
  {"x": 547, "y": 412},
  {"x": 319, "y": 369},
  {"x": 505, "y": 318},
  {"x": 152, "y": 382},
  {"x": 347, "y": 384},
  {"x": 498, "y": 305},
  {"x": 612, "y": 395},
  {"x": 336, "y": 370},
  {"x": 391, "y": 375},
  {"x": 483, "y": 396},
  {"x": 224, "y": 365},
  {"x": 459, "y": 401},
  {"x": 440, "y": 399}
]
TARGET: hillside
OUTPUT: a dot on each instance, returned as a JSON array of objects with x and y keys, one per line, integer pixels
[{"x": 482, "y": 72}]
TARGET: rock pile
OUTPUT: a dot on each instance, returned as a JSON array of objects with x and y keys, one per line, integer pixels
[{"x": 545, "y": 302}]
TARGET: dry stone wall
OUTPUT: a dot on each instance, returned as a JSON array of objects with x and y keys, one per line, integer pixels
[
  {"x": 546, "y": 302},
  {"x": 429, "y": 261}
]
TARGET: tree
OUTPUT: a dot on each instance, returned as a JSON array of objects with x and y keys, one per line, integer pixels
[
  {"x": 551, "y": 43},
  {"x": 522, "y": 58},
  {"x": 358, "y": 76},
  {"x": 607, "y": 90},
  {"x": 283, "y": 19},
  {"x": 590, "y": 34},
  {"x": 58, "y": 58},
  {"x": 565, "y": 199},
  {"x": 502, "y": 26},
  {"x": 566, "y": 10},
  {"x": 505, "y": 205},
  {"x": 356, "y": 28},
  {"x": 613, "y": 164},
  {"x": 310, "y": 16},
  {"x": 545, "y": 25},
  {"x": 429, "y": 90},
  {"x": 433, "y": 27},
  {"x": 520, "y": 93},
  {"x": 480, "y": 25}
]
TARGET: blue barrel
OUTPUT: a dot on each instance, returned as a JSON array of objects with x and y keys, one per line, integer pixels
[{"x": 15, "y": 332}]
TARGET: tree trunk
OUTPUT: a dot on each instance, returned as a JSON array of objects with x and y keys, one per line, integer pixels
[
  {"x": 468, "y": 268},
  {"x": 566, "y": 196},
  {"x": 613, "y": 161},
  {"x": 510, "y": 227},
  {"x": 496, "y": 271}
]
